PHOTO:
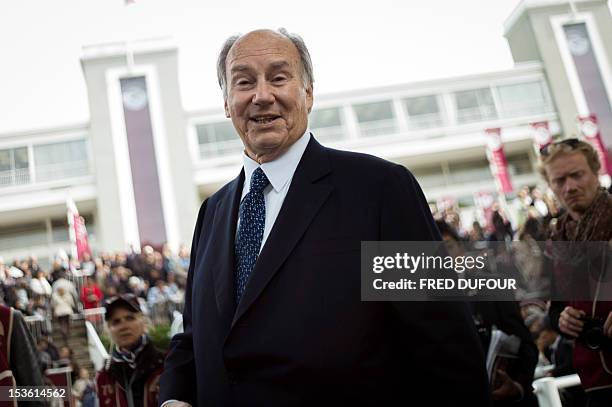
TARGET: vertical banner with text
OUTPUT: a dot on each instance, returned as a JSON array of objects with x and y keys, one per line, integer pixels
[
  {"x": 77, "y": 231},
  {"x": 590, "y": 131},
  {"x": 497, "y": 160}
]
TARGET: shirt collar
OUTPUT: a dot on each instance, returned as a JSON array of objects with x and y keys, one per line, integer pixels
[{"x": 278, "y": 171}]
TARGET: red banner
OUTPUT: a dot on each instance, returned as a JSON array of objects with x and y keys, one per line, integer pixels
[
  {"x": 590, "y": 131},
  {"x": 541, "y": 135},
  {"x": 77, "y": 231},
  {"x": 497, "y": 160}
]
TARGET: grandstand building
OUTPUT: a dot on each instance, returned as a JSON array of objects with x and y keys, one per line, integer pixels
[{"x": 140, "y": 167}]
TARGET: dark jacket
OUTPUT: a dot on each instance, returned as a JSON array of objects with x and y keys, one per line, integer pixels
[
  {"x": 112, "y": 383},
  {"x": 301, "y": 335}
]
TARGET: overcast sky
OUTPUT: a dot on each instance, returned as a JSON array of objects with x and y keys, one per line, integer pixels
[{"x": 353, "y": 43}]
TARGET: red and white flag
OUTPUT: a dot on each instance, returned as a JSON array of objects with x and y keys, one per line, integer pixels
[
  {"x": 497, "y": 160},
  {"x": 591, "y": 132},
  {"x": 541, "y": 135},
  {"x": 77, "y": 231}
]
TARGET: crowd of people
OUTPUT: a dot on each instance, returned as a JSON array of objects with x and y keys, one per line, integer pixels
[{"x": 155, "y": 277}]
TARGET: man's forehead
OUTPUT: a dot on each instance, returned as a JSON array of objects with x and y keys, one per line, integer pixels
[
  {"x": 262, "y": 43},
  {"x": 567, "y": 163}
]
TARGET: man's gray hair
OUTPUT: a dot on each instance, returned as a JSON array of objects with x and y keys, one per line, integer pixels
[{"x": 307, "y": 75}]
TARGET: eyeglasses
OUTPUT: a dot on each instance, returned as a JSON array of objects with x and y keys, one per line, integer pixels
[{"x": 572, "y": 142}]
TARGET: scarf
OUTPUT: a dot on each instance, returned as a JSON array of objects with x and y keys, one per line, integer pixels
[
  {"x": 595, "y": 224},
  {"x": 129, "y": 356}
]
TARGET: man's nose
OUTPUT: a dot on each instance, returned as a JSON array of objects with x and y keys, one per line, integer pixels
[
  {"x": 570, "y": 185},
  {"x": 263, "y": 94}
]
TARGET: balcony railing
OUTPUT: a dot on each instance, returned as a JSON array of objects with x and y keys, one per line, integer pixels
[
  {"x": 476, "y": 114},
  {"x": 221, "y": 148},
  {"x": 14, "y": 177},
  {"x": 327, "y": 134},
  {"x": 377, "y": 128},
  {"x": 63, "y": 170},
  {"x": 425, "y": 121},
  {"x": 43, "y": 173},
  {"x": 528, "y": 108}
]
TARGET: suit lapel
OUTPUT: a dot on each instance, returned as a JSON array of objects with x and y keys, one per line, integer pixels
[
  {"x": 304, "y": 199},
  {"x": 223, "y": 235}
]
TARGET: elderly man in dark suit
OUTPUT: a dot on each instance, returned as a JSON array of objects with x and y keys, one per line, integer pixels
[{"x": 273, "y": 313}]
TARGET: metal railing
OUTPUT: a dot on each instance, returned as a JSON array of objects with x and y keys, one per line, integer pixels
[
  {"x": 14, "y": 177},
  {"x": 546, "y": 389},
  {"x": 63, "y": 170},
  {"x": 377, "y": 128},
  {"x": 39, "y": 327}
]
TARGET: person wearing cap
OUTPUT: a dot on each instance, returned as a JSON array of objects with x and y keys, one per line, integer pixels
[{"x": 130, "y": 378}]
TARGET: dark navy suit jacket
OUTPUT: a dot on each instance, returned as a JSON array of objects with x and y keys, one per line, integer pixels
[{"x": 301, "y": 334}]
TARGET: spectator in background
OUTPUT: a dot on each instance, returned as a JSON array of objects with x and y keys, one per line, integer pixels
[
  {"x": 131, "y": 377},
  {"x": 66, "y": 359},
  {"x": 18, "y": 354},
  {"x": 513, "y": 387},
  {"x": 84, "y": 389},
  {"x": 91, "y": 295},
  {"x": 63, "y": 307},
  {"x": 40, "y": 285}
]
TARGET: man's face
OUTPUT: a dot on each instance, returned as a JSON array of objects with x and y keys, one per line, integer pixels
[
  {"x": 572, "y": 181},
  {"x": 125, "y": 327},
  {"x": 266, "y": 98}
]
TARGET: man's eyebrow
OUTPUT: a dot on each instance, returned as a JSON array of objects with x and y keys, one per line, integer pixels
[
  {"x": 280, "y": 65},
  {"x": 240, "y": 68}
]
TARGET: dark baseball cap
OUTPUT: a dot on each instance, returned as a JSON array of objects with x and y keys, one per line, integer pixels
[{"x": 126, "y": 301}]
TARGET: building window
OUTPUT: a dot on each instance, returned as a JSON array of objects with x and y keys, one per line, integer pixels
[
  {"x": 23, "y": 236},
  {"x": 423, "y": 112},
  {"x": 326, "y": 124},
  {"x": 524, "y": 99},
  {"x": 375, "y": 119},
  {"x": 430, "y": 177},
  {"x": 218, "y": 139},
  {"x": 464, "y": 172},
  {"x": 14, "y": 166},
  {"x": 519, "y": 164},
  {"x": 61, "y": 160},
  {"x": 475, "y": 105}
]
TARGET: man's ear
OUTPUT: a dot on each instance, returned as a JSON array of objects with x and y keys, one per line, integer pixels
[
  {"x": 309, "y": 98},
  {"x": 227, "y": 113}
]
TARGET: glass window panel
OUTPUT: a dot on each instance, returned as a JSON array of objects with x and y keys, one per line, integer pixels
[
  {"x": 423, "y": 111},
  {"x": 61, "y": 160},
  {"x": 524, "y": 99},
  {"x": 370, "y": 112},
  {"x": 325, "y": 118},
  {"x": 469, "y": 171},
  {"x": 475, "y": 105},
  {"x": 21, "y": 157},
  {"x": 519, "y": 164},
  {"x": 218, "y": 139},
  {"x": 429, "y": 177},
  {"x": 421, "y": 105},
  {"x": 6, "y": 160}
]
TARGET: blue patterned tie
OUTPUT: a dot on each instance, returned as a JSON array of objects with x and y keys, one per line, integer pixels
[{"x": 250, "y": 230}]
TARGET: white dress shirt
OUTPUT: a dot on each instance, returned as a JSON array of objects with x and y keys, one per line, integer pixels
[{"x": 280, "y": 173}]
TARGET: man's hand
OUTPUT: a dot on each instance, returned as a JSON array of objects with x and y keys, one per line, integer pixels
[
  {"x": 570, "y": 323},
  {"x": 608, "y": 326},
  {"x": 508, "y": 390}
]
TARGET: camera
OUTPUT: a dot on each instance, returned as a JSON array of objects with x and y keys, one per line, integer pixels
[{"x": 593, "y": 336}]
